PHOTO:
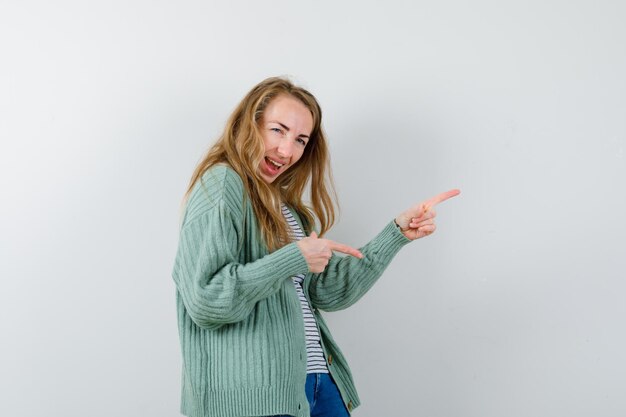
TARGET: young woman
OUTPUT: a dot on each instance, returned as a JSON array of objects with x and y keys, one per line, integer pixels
[{"x": 252, "y": 274}]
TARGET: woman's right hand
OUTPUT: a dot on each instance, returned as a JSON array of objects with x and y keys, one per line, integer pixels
[{"x": 317, "y": 252}]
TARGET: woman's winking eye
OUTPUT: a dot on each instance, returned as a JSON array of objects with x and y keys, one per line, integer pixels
[{"x": 280, "y": 131}]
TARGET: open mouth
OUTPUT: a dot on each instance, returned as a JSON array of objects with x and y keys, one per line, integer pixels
[{"x": 273, "y": 167}]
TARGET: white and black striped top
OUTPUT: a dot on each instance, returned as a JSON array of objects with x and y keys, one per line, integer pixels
[{"x": 316, "y": 363}]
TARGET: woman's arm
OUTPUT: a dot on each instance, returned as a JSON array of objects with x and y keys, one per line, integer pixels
[
  {"x": 214, "y": 282},
  {"x": 345, "y": 280},
  {"x": 215, "y": 288}
]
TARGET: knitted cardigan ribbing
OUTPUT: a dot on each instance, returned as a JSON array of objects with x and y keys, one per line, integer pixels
[{"x": 239, "y": 318}]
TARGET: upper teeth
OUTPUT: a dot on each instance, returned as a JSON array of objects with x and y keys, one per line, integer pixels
[{"x": 275, "y": 163}]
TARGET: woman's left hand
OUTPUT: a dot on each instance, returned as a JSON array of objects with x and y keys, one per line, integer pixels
[{"x": 418, "y": 221}]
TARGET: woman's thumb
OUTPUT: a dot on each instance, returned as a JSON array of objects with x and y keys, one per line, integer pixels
[{"x": 313, "y": 235}]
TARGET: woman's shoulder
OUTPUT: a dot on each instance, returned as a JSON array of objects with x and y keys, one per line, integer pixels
[
  {"x": 219, "y": 184},
  {"x": 222, "y": 178}
]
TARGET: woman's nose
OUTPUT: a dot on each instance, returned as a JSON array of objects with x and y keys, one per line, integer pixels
[{"x": 285, "y": 147}]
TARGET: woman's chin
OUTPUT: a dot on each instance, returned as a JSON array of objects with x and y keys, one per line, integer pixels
[{"x": 267, "y": 177}]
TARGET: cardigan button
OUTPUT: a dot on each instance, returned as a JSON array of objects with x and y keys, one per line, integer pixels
[
  {"x": 350, "y": 405},
  {"x": 330, "y": 360}
]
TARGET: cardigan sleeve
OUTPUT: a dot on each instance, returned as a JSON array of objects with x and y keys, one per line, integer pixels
[
  {"x": 346, "y": 279},
  {"x": 216, "y": 288}
]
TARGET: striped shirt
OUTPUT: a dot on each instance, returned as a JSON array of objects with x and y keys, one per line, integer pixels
[{"x": 316, "y": 363}]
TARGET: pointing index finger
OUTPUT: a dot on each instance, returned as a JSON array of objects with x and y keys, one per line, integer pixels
[
  {"x": 348, "y": 250},
  {"x": 440, "y": 198}
]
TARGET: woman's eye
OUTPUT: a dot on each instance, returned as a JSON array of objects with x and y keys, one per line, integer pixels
[
  {"x": 276, "y": 129},
  {"x": 301, "y": 141}
]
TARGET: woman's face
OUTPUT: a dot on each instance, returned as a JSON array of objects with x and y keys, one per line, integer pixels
[{"x": 286, "y": 127}]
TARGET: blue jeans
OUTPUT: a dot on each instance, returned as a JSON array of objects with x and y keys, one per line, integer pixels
[{"x": 324, "y": 397}]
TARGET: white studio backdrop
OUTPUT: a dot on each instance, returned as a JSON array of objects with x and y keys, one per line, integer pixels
[{"x": 514, "y": 307}]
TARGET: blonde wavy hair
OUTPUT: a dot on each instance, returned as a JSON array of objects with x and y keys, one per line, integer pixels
[{"x": 241, "y": 147}]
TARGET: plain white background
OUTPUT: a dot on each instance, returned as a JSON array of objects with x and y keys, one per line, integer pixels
[{"x": 514, "y": 307}]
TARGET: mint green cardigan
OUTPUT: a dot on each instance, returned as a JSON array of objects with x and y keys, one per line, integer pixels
[{"x": 239, "y": 318}]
